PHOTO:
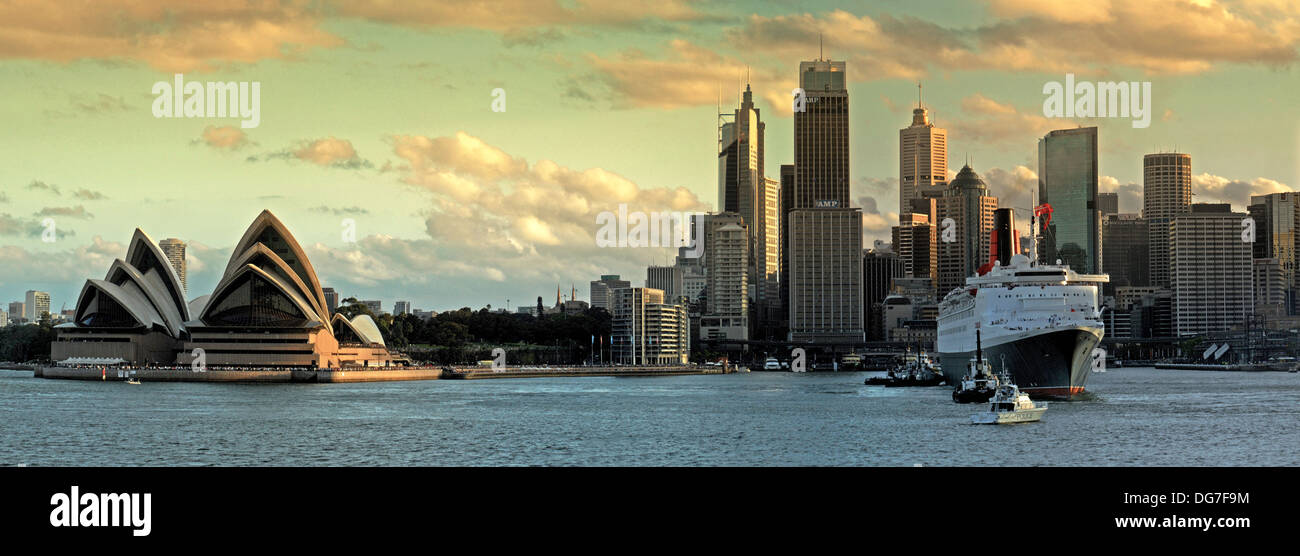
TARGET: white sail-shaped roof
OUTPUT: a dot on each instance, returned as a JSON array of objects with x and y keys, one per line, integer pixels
[
  {"x": 219, "y": 295},
  {"x": 128, "y": 277},
  {"x": 153, "y": 266},
  {"x": 132, "y": 300},
  {"x": 268, "y": 230}
]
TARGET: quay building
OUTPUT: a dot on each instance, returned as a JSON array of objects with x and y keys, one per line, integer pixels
[{"x": 268, "y": 310}]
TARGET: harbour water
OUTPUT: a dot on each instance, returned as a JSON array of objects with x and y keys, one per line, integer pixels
[{"x": 1136, "y": 417}]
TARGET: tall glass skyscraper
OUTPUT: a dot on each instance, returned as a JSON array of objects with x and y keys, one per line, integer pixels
[{"x": 1067, "y": 180}]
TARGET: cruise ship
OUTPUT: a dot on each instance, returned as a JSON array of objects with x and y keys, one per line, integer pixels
[{"x": 1041, "y": 322}]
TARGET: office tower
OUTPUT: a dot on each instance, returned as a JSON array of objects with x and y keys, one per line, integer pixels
[
  {"x": 1108, "y": 203},
  {"x": 646, "y": 330},
  {"x": 668, "y": 279},
  {"x": 4, "y": 318},
  {"x": 375, "y": 306},
  {"x": 787, "y": 204},
  {"x": 826, "y": 276},
  {"x": 1126, "y": 243},
  {"x": 1270, "y": 288},
  {"x": 744, "y": 189},
  {"x": 1277, "y": 216},
  {"x": 401, "y": 308},
  {"x": 600, "y": 289},
  {"x": 331, "y": 300},
  {"x": 38, "y": 303},
  {"x": 17, "y": 311},
  {"x": 922, "y": 158},
  {"x": 1067, "y": 180},
  {"x": 174, "y": 250},
  {"x": 1166, "y": 193},
  {"x": 916, "y": 242},
  {"x": 880, "y": 268},
  {"x": 825, "y": 234},
  {"x": 727, "y": 312},
  {"x": 821, "y": 137},
  {"x": 767, "y": 263},
  {"x": 964, "y": 244},
  {"x": 1211, "y": 270}
]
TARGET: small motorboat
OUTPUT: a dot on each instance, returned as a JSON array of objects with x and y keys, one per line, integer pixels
[
  {"x": 133, "y": 380},
  {"x": 1009, "y": 405}
]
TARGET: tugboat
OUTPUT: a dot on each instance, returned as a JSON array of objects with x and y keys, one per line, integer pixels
[
  {"x": 1009, "y": 405},
  {"x": 979, "y": 383},
  {"x": 916, "y": 369}
]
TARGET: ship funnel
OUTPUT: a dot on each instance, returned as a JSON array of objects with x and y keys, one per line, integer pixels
[{"x": 1006, "y": 242}]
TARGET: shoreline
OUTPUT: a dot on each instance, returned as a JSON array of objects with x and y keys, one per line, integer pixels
[{"x": 388, "y": 374}]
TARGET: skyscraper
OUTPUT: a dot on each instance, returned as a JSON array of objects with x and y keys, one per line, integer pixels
[
  {"x": 1108, "y": 203},
  {"x": 1067, "y": 180},
  {"x": 174, "y": 250},
  {"x": 38, "y": 303},
  {"x": 1127, "y": 245},
  {"x": 922, "y": 157},
  {"x": 963, "y": 245},
  {"x": 17, "y": 310},
  {"x": 668, "y": 279},
  {"x": 880, "y": 268},
  {"x": 600, "y": 289},
  {"x": 1166, "y": 193},
  {"x": 401, "y": 308},
  {"x": 646, "y": 330},
  {"x": 1211, "y": 270},
  {"x": 743, "y": 189},
  {"x": 331, "y": 300},
  {"x": 727, "y": 313},
  {"x": 916, "y": 242},
  {"x": 825, "y": 259},
  {"x": 1277, "y": 219}
]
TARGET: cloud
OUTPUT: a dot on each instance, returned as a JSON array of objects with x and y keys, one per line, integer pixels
[
  {"x": 510, "y": 15},
  {"x": 531, "y": 37},
  {"x": 78, "y": 212},
  {"x": 989, "y": 121},
  {"x": 226, "y": 137},
  {"x": 328, "y": 152},
  {"x": 87, "y": 195},
  {"x": 533, "y": 222},
  {"x": 1209, "y": 188},
  {"x": 1130, "y": 194},
  {"x": 168, "y": 36},
  {"x": 38, "y": 185},
  {"x": 342, "y": 211},
  {"x": 687, "y": 75}
]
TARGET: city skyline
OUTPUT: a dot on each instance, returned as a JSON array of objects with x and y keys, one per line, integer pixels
[{"x": 455, "y": 204}]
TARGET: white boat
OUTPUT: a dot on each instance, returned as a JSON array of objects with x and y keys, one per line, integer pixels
[
  {"x": 133, "y": 380},
  {"x": 1009, "y": 405}
]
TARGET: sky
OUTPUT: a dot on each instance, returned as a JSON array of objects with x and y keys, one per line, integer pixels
[{"x": 378, "y": 118}]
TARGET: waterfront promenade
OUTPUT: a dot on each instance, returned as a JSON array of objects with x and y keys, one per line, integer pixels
[{"x": 359, "y": 374}]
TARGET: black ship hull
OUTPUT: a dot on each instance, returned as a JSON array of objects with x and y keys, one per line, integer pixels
[{"x": 1049, "y": 365}]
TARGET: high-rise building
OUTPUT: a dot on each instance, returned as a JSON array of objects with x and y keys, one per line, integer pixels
[
  {"x": 4, "y": 318},
  {"x": 1126, "y": 243},
  {"x": 767, "y": 263},
  {"x": 787, "y": 204},
  {"x": 727, "y": 312},
  {"x": 826, "y": 289},
  {"x": 1211, "y": 270},
  {"x": 1108, "y": 203},
  {"x": 646, "y": 330},
  {"x": 964, "y": 244},
  {"x": 331, "y": 300},
  {"x": 174, "y": 250},
  {"x": 376, "y": 307},
  {"x": 821, "y": 137},
  {"x": 922, "y": 158},
  {"x": 1166, "y": 193},
  {"x": 744, "y": 189},
  {"x": 1067, "y": 180},
  {"x": 825, "y": 234},
  {"x": 1277, "y": 219},
  {"x": 1270, "y": 288},
  {"x": 916, "y": 242},
  {"x": 880, "y": 267},
  {"x": 38, "y": 303},
  {"x": 17, "y": 311},
  {"x": 668, "y": 279},
  {"x": 401, "y": 308},
  {"x": 601, "y": 289}
]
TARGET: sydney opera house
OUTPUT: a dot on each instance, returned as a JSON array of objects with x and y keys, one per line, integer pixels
[{"x": 268, "y": 310}]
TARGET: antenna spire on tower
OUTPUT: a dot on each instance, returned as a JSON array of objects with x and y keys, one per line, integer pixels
[
  {"x": 821, "y": 47},
  {"x": 919, "y": 104}
]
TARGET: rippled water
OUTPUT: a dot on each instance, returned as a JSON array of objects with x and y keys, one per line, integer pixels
[{"x": 1138, "y": 417}]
